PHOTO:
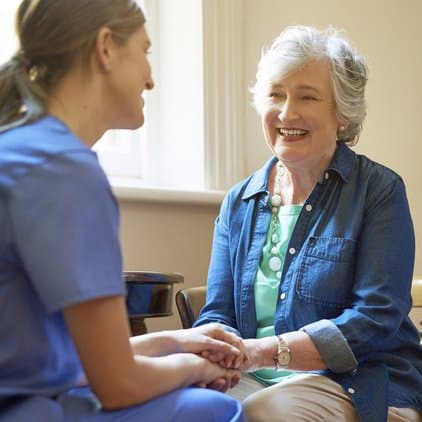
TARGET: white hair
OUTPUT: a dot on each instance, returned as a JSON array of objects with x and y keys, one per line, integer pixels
[{"x": 296, "y": 46}]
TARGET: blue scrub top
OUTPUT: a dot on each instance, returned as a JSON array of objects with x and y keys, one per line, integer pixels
[{"x": 59, "y": 245}]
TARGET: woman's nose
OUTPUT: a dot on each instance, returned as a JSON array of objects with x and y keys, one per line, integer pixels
[
  {"x": 149, "y": 84},
  {"x": 287, "y": 111}
]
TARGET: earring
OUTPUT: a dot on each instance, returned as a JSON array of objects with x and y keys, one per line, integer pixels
[
  {"x": 341, "y": 128},
  {"x": 33, "y": 73}
]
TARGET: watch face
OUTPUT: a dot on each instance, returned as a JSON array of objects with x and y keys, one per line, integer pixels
[{"x": 283, "y": 358}]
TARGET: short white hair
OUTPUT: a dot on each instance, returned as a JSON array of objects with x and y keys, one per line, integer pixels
[{"x": 296, "y": 46}]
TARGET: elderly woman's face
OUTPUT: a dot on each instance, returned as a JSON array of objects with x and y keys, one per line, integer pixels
[{"x": 299, "y": 118}]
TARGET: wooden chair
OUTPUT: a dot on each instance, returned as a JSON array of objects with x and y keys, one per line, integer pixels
[
  {"x": 189, "y": 302},
  {"x": 416, "y": 311}
]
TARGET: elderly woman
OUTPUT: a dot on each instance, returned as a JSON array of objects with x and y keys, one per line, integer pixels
[
  {"x": 313, "y": 254},
  {"x": 66, "y": 351}
]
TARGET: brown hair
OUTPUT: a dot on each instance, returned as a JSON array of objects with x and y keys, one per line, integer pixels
[{"x": 52, "y": 35}]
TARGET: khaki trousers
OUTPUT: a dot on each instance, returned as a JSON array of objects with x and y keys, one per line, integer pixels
[{"x": 304, "y": 397}]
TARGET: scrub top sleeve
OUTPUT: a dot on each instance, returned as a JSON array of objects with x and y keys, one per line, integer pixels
[{"x": 66, "y": 230}]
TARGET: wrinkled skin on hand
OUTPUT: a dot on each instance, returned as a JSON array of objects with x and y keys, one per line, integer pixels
[
  {"x": 253, "y": 355},
  {"x": 212, "y": 375},
  {"x": 213, "y": 342}
]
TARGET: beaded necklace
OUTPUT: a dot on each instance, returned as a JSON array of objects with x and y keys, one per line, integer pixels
[{"x": 275, "y": 203}]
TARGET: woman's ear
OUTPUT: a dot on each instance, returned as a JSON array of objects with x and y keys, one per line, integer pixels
[
  {"x": 103, "y": 50},
  {"x": 342, "y": 126}
]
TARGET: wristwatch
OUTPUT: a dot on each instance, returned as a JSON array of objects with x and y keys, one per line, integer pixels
[{"x": 283, "y": 356}]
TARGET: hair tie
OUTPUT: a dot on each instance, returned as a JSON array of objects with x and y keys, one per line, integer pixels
[{"x": 33, "y": 73}]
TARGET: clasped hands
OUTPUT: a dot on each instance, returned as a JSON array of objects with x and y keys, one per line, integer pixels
[{"x": 223, "y": 348}]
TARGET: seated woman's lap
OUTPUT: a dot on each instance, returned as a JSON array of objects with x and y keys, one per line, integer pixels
[
  {"x": 304, "y": 397},
  {"x": 311, "y": 397}
]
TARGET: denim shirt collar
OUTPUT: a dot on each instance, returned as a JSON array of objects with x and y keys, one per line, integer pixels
[{"x": 342, "y": 164}]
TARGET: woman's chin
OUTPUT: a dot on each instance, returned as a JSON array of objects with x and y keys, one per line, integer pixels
[
  {"x": 135, "y": 123},
  {"x": 290, "y": 152},
  {"x": 140, "y": 122}
]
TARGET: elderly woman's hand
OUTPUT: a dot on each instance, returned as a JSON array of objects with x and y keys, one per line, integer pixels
[
  {"x": 213, "y": 342},
  {"x": 217, "y": 331},
  {"x": 259, "y": 353}
]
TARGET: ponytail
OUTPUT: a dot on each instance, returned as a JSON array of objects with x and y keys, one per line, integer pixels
[{"x": 21, "y": 98}]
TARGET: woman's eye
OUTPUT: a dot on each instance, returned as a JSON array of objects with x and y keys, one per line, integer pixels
[
  {"x": 309, "y": 98},
  {"x": 275, "y": 95}
]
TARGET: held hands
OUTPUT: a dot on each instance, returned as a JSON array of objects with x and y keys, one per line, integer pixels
[
  {"x": 220, "y": 351},
  {"x": 211, "y": 341},
  {"x": 254, "y": 354},
  {"x": 247, "y": 355},
  {"x": 211, "y": 375}
]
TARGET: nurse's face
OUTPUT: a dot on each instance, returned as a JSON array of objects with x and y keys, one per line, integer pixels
[{"x": 130, "y": 77}]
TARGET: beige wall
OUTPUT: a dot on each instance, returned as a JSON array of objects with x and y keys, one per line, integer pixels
[
  {"x": 168, "y": 238},
  {"x": 165, "y": 237},
  {"x": 389, "y": 35}
]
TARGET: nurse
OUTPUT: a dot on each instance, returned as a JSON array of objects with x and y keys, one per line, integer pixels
[{"x": 66, "y": 351}]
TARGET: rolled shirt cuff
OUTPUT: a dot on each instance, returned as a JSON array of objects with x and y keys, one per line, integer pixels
[{"x": 332, "y": 345}]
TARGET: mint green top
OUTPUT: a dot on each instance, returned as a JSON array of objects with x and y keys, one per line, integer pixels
[{"x": 267, "y": 282}]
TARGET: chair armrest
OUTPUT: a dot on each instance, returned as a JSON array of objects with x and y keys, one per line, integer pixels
[
  {"x": 189, "y": 302},
  {"x": 417, "y": 292}
]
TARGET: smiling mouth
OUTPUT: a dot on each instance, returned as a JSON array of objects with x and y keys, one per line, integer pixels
[{"x": 292, "y": 132}]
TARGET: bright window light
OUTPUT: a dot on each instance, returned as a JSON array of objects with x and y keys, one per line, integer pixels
[{"x": 192, "y": 138}]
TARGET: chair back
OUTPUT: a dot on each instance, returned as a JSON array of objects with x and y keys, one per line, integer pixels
[{"x": 189, "y": 303}]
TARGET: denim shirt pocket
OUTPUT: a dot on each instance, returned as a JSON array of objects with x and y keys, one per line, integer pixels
[{"x": 326, "y": 271}]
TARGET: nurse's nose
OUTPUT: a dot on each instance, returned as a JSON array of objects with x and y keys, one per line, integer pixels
[{"x": 149, "y": 84}]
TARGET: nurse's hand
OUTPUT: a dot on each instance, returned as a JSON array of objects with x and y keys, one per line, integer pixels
[{"x": 213, "y": 342}]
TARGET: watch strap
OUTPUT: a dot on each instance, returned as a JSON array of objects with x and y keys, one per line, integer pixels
[{"x": 283, "y": 356}]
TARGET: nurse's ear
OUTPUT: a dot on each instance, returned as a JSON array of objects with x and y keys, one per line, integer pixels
[{"x": 103, "y": 52}]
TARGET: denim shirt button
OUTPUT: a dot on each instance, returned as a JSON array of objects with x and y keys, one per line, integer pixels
[
  {"x": 351, "y": 390},
  {"x": 283, "y": 296},
  {"x": 292, "y": 251},
  {"x": 308, "y": 207}
]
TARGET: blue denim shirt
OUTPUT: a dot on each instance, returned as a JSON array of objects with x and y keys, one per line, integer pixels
[{"x": 346, "y": 278}]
